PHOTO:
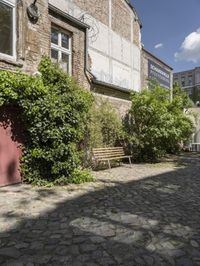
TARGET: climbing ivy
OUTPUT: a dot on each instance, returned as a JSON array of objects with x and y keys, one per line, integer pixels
[{"x": 54, "y": 111}]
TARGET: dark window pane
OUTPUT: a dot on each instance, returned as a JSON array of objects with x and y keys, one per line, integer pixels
[
  {"x": 65, "y": 40},
  {"x": 6, "y": 29},
  {"x": 54, "y": 56},
  {"x": 54, "y": 36},
  {"x": 65, "y": 62}
]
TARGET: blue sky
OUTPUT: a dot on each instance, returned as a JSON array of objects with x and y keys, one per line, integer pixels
[{"x": 171, "y": 30}]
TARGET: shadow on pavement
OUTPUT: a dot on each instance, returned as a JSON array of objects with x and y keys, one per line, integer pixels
[{"x": 154, "y": 221}]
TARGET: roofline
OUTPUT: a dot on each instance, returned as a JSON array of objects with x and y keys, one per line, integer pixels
[
  {"x": 156, "y": 58},
  {"x": 65, "y": 15},
  {"x": 189, "y": 70},
  {"x": 134, "y": 11},
  {"x": 112, "y": 86}
]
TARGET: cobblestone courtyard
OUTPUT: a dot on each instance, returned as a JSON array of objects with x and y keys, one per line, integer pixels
[{"x": 144, "y": 215}]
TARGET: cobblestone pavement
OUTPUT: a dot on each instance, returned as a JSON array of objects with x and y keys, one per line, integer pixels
[{"x": 144, "y": 215}]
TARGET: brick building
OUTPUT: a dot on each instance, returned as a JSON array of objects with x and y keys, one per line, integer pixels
[
  {"x": 155, "y": 69},
  {"x": 96, "y": 41}
]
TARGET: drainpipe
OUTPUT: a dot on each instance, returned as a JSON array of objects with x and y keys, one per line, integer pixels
[{"x": 88, "y": 73}]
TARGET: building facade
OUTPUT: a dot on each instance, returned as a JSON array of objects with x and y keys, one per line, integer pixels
[
  {"x": 155, "y": 69},
  {"x": 190, "y": 82},
  {"x": 97, "y": 42}
]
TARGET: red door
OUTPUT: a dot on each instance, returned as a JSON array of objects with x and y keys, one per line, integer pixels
[{"x": 10, "y": 150}]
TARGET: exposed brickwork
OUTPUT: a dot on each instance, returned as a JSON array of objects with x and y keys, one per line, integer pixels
[
  {"x": 33, "y": 41},
  {"x": 36, "y": 37},
  {"x": 78, "y": 49},
  {"x": 144, "y": 67},
  {"x": 121, "y": 106},
  {"x": 121, "y": 18},
  {"x": 136, "y": 33},
  {"x": 97, "y": 8}
]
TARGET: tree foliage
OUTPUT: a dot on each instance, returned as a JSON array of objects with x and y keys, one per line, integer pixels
[
  {"x": 154, "y": 125},
  {"x": 183, "y": 96},
  {"x": 105, "y": 127},
  {"x": 54, "y": 110}
]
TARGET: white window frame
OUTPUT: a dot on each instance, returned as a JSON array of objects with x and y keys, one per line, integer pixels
[
  {"x": 58, "y": 47},
  {"x": 11, "y": 3}
]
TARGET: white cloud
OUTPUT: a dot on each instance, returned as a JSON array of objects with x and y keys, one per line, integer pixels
[
  {"x": 190, "y": 48},
  {"x": 159, "y": 45}
]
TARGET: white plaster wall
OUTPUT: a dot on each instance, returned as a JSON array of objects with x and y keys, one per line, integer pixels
[
  {"x": 121, "y": 75},
  {"x": 100, "y": 66},
  {"x": 101, "y": 41},
  {"x": 113, "y": 59}
]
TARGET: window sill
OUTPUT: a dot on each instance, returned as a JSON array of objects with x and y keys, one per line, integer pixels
[{"x": 10, "y": 61}]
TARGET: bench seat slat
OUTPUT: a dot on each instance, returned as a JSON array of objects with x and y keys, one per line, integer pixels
[
  {"x": 105, "y": 153},
  {"x": 109, "y": 155},
  {"x": 108, "y": 148},
  {"x": 113, "y": 158}
]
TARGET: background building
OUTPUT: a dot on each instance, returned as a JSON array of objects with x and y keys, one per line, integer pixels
[
  {"x": 190, "y": 82},
  {"x": 152, "y": 68}
]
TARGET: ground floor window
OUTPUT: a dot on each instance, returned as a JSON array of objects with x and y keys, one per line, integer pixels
[
  {"x": 7, "y": 27},
  {"x": 61, "y": 48}
]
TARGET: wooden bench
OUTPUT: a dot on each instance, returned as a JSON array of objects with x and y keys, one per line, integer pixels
[{"x": 108, "y": 154}]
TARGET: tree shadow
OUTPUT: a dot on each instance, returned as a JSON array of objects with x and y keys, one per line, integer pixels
[
  {"x": 11, "y": 117},
  {"x": 152, "y": 221}
]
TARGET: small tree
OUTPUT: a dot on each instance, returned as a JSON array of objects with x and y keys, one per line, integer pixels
[
  {"x": 154, "y": 125},
  {"x": 183, "y": 96},
  {"x": 105, "y": 127}
]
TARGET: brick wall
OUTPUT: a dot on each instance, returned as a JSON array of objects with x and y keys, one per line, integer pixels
[
  {"x": 34, "y": 41},
  {"x": 121, "y": 18},
  {"x": 97, "y": 8},
  {"x": 136, "y": 33},
  {"x": 78, "y": 48},
  {"x": 121, "y": 106},
  {"x": 144, "y": 67}
]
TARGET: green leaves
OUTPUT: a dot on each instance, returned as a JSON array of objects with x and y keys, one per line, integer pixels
[
  {"x": 54, "y": 111},
  {"x": 105, "y": 125},
  {"x": 155, "y": 125}
]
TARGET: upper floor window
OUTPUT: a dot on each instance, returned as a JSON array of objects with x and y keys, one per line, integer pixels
[
  {"x": 190, "y": 81},
  {"x": 7, "y": 27},
  {"x": 183, "y": 81},
  {"x": 61, "y": 49}
]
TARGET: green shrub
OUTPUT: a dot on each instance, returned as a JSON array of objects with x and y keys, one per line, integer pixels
[
  {"x": 105, "y": 127},
  {"x": 54, "y": 111},
  {"x": 154, "y": 125}
]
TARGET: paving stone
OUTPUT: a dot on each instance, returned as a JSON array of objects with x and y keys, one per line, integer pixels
[
  {"x": 194, "y": 243},
  {"x": 146, "y": 215},
  {"x": 185, "y": 262},
  {"x": 11, "y": 252},
  {"x": 87, "y": 247}
]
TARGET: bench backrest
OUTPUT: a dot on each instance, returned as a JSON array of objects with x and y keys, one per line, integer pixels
[{"x": 106, "y": 153}]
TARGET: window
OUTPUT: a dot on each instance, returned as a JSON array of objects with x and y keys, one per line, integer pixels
[
  {"x": 61, "y": 49},
  {"x": 183, "y": 81},
  {"x": 7, "y": 27},
  {"x": 190, "y": 80}
]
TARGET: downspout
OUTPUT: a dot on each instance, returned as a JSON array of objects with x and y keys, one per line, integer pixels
[{"x": 88, "y": 73}]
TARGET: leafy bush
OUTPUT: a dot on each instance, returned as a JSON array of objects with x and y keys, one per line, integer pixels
[
  {"x": 105, "y": 127},
  {"x": 54, "y": 111},
  {"x": 154, "y": 125},
  {"x": 184, "y": 99}
]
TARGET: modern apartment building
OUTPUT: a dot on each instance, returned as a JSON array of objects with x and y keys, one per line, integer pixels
[{"x": 190, "y": 82}]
